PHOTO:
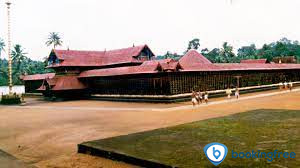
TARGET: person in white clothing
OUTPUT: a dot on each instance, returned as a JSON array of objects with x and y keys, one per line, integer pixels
[
  {"x": 228, "y": 92},
  {"x": 280, "y": 85},
  {"x": 285, "y": 85},
  {"x": 206, "y": 97},
  {"x": 237, "y": 93},
  {"x": 194, "y": 99}
]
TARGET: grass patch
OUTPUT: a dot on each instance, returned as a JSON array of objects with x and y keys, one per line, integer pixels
[{"x": 182, "y": 145}]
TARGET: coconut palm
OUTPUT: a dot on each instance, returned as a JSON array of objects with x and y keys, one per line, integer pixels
[
  {"x": 54, "y": 40},
  {"x": 18, "y": 55},
  {"x": 2, "y": 45}
]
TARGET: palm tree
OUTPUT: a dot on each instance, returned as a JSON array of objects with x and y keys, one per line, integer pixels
[
  {"x": 54, "y": 40},
  {"x": 2, "y": 45},
  {"x": 18, "y": 55},
  {"x": 227, "y": 52}
]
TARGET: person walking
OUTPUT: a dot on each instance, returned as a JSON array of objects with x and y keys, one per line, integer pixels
[
  {"x": 194, "y": 100},
  {"x": 228, "y": 92},
  {"x": 280, "y": 86},
  {"x": 206, "y": 97},
  {"x": 200, "y": 97},
  {"x": 291, "y": 85},
  {"x": 285, "y": 85},
  {"x": 237, "y": 93}
]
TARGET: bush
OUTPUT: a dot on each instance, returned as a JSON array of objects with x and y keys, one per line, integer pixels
[{"x": 10, "y": 99}]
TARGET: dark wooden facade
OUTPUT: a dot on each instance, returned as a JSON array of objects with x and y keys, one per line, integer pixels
[
  {"x": 32, "y": 86},
  {"x": 173, "y": 83}
]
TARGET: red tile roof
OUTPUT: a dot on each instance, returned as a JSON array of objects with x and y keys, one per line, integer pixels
[
  {"x": 255, "y": 61},
  {"x": 170, "y": 65},
  {"x": 239, "y": 67},
  {"x": 68, "y": 83},
  {"x": 193, "y": 57},
  {"x": 147, "y": 67},
  {"x": 38, "y": 76},
  {"x": 98, "y": 58}
]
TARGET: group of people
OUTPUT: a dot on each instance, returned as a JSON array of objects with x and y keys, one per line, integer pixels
[
  {"x": 286, "y": 85},
  {"x": 229, "y": 92},
  {"x": 198, "y": 97}
]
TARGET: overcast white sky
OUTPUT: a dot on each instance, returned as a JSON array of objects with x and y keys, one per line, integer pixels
[{"x": 165, "y": 25}]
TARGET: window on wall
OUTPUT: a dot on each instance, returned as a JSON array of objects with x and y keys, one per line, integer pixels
[{"x": 145, "y": 54}]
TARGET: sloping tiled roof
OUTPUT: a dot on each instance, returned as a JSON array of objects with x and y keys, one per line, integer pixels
[
  {"x": 68, "y": 83},
  {"x": 152, "y": 66},
  {"x": 38, "y": 77},
  {"x": 239, "y": 67},
  {"x": 146, "y": 67},
  {"x": 169, "y": 65},
  {"x": 255, "y": 61},
  {"x": 192, "y": 57},
  {"x": 98, "y": 58}
]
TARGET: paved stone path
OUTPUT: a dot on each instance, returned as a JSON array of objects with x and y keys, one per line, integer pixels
[{"x": 184, "y": 107}]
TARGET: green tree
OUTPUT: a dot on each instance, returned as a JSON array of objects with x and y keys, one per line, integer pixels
[
  {"x": 2, "y": 45},
  {"x": 174, "y": 56},
  {"x": 265, "y": 52},
  {"x": 54, "y": 39},
  {"x": 213, "y": 55},
  {"x": 18, "y": 56},
  {"x": 247, "y": 52},
  {"x": 194, "y": 44},
  {"x": 3, "y": 72},
  {"x": 226, "y": 53}
]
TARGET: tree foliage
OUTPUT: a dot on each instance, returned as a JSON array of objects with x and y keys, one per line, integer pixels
[
  {"x": 2, "y": 45},
  {"x": 194, "y": 44},
  {"x": 54, "y": 39},
  {"x": 21, "y": 64},
  {"x": 225, "y": 54}
]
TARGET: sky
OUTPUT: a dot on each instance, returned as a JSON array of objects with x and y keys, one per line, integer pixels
[{"x": 165, "y": 25}]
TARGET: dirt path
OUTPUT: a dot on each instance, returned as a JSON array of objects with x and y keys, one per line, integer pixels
[{"x": 48, "y": 137}]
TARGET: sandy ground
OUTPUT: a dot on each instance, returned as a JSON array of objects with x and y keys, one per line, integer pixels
[{"x": 47, "y": 134}]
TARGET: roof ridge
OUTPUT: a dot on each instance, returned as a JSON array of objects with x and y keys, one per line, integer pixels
[{"x": 138, "y": 46}]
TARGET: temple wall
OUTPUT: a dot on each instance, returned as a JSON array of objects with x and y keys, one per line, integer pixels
[
  {"x": 173, "y": 83},
  {"x": 185, "y": 82},
  {"x": 142, "y": 84}
]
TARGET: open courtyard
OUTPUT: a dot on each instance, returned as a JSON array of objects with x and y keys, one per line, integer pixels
[{"x": 46, "y": 134}]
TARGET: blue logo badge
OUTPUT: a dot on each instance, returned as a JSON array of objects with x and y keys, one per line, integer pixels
[{"x": 215, "y": 152}]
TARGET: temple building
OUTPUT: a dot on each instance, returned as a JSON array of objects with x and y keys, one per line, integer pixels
[{"x": 134, "y": 71}]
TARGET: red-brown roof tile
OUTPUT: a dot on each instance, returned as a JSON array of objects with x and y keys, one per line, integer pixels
[
  {"x": 68, "y": 83},
  {"x": 255, "y": 61},
  {"x": 193, "y": 57},
  {"x": 239, "y": 67},
  {"x": 147, "y": 67},
  {"x": 170, "y": 66},
  {"x": 38, "y": 77},
  {"x": 98, "y": 58}
]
